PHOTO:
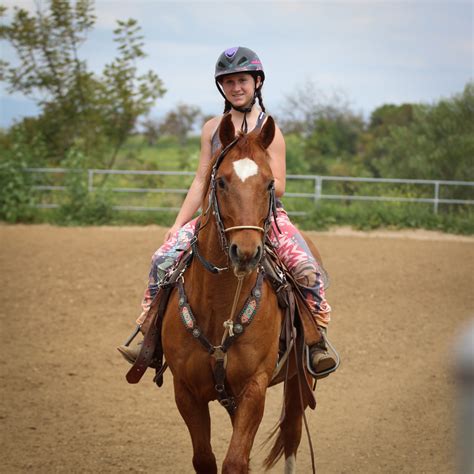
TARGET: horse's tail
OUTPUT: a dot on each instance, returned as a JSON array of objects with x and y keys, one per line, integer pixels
[
  {"x": 278, "y": 447},
  {"x": 286, "y": 435},
  {"x": 277, "y": 436}
]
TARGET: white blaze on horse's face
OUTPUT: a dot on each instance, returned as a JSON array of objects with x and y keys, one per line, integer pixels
[{"x": 245, "y": 168}]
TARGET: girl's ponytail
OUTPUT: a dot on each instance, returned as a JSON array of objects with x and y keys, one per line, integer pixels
[
  {"x": 258, "y": 93},
  {"x": 227, "y": 106}
]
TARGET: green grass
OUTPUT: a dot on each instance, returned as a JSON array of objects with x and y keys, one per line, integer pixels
[
  {"x": 323, "y": 216},
  {"x": 389, "y": 215},
  {"x": 166, "y": 155}
]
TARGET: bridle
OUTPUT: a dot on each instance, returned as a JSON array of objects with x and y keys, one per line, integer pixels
[
  {"x": 234, "y": 327},
  {"x": 214, "y": 205}
]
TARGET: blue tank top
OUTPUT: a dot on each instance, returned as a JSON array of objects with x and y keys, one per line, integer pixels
[{"x": 216, "y": 142}]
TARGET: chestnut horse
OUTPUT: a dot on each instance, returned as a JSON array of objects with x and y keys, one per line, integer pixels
[{"x": 236, "y": 217}]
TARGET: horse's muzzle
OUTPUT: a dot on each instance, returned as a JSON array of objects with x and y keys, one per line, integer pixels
[{"x": 245, "y": 258}]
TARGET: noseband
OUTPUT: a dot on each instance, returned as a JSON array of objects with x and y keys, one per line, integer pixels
[{"x": 213, "y": 202}]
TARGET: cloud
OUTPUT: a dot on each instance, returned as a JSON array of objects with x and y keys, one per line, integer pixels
[{"x": 375, "y": 50}]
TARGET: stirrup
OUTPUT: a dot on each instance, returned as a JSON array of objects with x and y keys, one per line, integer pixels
[
  {"x": 124, "y": 348},
  {"x": 324, "y": 373}
]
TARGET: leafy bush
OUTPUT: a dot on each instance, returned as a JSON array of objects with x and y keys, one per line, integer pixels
[
  {"x": 366, "y": 216},
  {"x": 16, "y": 198},
  {"x": 438, "y": 143},
  {"x": 79, "y": 206}
]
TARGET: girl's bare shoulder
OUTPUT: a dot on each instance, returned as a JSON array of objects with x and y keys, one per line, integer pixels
[{"x": 210, "y": 126}]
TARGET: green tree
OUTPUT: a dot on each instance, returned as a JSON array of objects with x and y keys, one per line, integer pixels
[
  {"x": 79, "y": 109},
  {"x": 302, "y": 109},
  {"x": 437, "y": 144},
  {"x": 180, "y": 122},
  {"x": 389, "y": 115},
  {"x": 332, "y": 146},
  {"x": 327, "y": 129},
  {"x": 295, "y": 158},
  {"x": 382, "y": 120},
  {"x": 151, "y": 131}
]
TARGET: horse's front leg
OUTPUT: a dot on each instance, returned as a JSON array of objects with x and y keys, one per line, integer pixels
[
  {"x": 245, "y": 423},
  {"x": 196, "y": 416}
]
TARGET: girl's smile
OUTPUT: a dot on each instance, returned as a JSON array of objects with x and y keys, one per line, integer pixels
[{"x": 239, "y": 88}]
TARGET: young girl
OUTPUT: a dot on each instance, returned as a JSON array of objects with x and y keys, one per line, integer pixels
[{"x": 239, "y": 78}]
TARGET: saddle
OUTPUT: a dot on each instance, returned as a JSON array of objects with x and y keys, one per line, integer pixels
[{"x": 298, "y": 331}]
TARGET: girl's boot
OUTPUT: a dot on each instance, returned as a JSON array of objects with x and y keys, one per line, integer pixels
[{"x": 321, "y": 359}]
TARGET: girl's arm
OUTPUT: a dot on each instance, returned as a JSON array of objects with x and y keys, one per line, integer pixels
[
  {"x": 277, "y": 152},
  {"x": 196, "y": 192}
]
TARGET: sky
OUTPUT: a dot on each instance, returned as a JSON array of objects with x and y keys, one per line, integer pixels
[{"x": 370, "y": 52}]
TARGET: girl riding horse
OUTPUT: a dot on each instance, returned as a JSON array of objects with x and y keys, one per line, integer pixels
[{"x": 239, "y": 77}]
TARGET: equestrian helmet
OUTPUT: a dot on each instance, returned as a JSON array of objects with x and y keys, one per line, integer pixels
[{"x": 238, "y": 59}]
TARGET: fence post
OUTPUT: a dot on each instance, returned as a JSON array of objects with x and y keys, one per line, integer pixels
[
  {"x": 318, "y": 183},
  {"x": 90, "y": 179},
  {"x": 436, "y": 197}
]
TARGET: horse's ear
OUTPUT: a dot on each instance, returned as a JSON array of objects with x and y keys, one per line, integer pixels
[
  {"x": 226, "y": 130},
  {"x": 268, "y": 132}
]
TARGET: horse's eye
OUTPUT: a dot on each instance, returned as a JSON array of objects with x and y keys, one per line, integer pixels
[
  {"x": 221, "y": 183},
  {"x": 271, "y": 185}
]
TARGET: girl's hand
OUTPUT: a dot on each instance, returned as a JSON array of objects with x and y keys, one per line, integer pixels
[{"x": 171, "y": 231}]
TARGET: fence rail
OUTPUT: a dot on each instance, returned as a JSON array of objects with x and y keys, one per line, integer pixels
[{"x": 315, "y": 195}]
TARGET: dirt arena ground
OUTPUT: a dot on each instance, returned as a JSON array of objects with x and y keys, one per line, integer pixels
[{"x": 68, "y": 296}]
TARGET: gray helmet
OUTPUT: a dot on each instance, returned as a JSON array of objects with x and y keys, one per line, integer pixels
[{"x": 238, "y": 59}]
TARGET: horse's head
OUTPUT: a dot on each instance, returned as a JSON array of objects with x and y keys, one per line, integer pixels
[{"x": 243, "y": 184}]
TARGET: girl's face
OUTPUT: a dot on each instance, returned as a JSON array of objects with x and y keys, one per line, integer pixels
[{"x": 239, "y": 88}]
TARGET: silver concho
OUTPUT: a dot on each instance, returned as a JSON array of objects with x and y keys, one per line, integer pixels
[
  {"x": 257, "y": 293},
  {"x": 196, "y": 332},
  {"x": 238, "y": 328}
]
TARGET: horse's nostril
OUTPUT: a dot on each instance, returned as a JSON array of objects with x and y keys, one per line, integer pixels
[
  {"x": 246, "y": 256},
  {"x": 234, "y": 252}
]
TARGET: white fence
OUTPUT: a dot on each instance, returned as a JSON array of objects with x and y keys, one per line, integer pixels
[{"x": 316, "y": 185}]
